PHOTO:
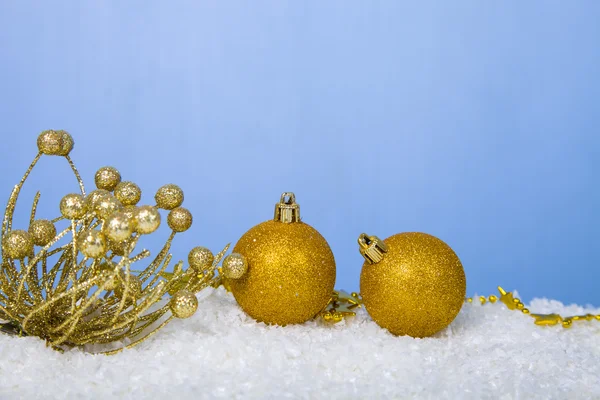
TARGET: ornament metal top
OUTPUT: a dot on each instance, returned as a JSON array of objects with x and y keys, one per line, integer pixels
[
  {"x": 282, "y": 271},
  {"x": 85, "y": 292}
]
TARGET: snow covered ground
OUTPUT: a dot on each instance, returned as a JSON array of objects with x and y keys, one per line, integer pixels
[{"x": 488, "y": 352}]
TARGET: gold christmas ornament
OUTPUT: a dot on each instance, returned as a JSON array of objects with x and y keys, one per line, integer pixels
[
  {"x": 411, "y": 283},
  {"x": 84, "y": 291},
  {"x": 290, "y": 269}
]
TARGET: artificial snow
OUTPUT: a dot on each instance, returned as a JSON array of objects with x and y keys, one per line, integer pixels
[{"x": 487, "y": 352}]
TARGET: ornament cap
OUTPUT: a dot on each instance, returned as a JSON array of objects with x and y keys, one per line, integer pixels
[
  {"x": 287, "y": 210},
  {"x": 372, "y": 248}
]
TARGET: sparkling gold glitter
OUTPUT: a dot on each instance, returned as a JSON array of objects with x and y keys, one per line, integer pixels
[
  {"x": 73, "y": 206},
  {"x": 106, "y": 205},
  {"x": 200, "y": 259},
  {"x": 184, "y": 304},
  {"x": 291, "y": 273},
  {"x": 55, "y": 143},
  {"x": 180, "y": 219},
  {"x": 92, "y": 243},
  {"x": 107, "y": 178},
  {"x": 169, "y": 197},
  {"x": 98, "y": 299},
  {"x": 234, "y": 266},
  {"x": 128, "y": 193},
  {"x": 513, "y": 303},
  {"x": 42, "y": 231},
  {"x": 17, "y": 244},
  {"x": 146, "y": 219},
  {"x": 94, "y": 197},
  {"x": 118, "y": 227},
  {"x": 418, "y": 287}
]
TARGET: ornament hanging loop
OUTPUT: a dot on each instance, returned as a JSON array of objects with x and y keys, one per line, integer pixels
[
  {"x": 287, "y": 210},
  {"x": 372, "y": 248}
]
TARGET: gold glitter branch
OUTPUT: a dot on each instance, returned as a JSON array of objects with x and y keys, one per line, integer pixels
[{"x": 85, "y": 292}]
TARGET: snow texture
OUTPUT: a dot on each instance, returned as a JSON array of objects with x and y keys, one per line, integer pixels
[{"x": 487, "y": 352}]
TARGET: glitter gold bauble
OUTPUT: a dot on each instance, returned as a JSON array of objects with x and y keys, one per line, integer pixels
[
  {"x": 73, "y": 206},
  {"x": 107, "y": 178},
  {"x": 133, "y": 283},
  {"x": 119, "y": 248},
  {"x": 180, "y": 219},
  {"x": 234, "y": 266},
  {"x": 118, "y": 227},
  {"x": 169, "y": 197},
  {"x": 146, "y": 219},
  {"x": 55, "y": 143},
  {"x": 290, "y": 273},
  {"x": 17, "y": 244},
  {"x": 108, "y": 277},
  {"x": 91, "y": 243},
  {"x": 42, "y": 231},
  {"x": 411, "y": 283},
  {"x": 183, "y": 304},
  {"x": 128, "y": 193},
  {"x": 200, "y": 259},
  {"x": 94, "y": 197},
  {"x": 106, "y": 205}
]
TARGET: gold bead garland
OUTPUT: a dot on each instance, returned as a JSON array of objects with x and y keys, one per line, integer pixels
[{"x": 513, "y": 303}]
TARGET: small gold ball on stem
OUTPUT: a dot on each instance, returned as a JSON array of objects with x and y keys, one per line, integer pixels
[
  {"x": 17, "y": 244},
  {"x": 73, "y": 206},
  {"x": 93, "y": 197},
  {"x": 118, "y": 227},
  {"x": 128, "y": 193},
  {"x": 55, "y": 143},
  {"x": 42, "y": 231},
  {"x": 91, "y": 243},
  {"x": 108, "y": 277},
  {"x": 119, "y": 248},
  {"x": 68, "y": 143},
  {"x": 234, "y": 266},
  {"x": 107, "y": 178},
  {"x": 146, "y": 219},
  {"x": 169, "y": 197},
  {"x": 106, "y": 205},
  {"x": 135, "y": 286},
  {"x": 180, "y": 219},
  {"x": 183, "y": 304},
  {"x": 200, "y": 259}
]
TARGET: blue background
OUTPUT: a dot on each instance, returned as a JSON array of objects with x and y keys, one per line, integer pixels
[{"x": 474, "y": 121}]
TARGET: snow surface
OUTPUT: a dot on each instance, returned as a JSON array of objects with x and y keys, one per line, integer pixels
[{"x": 487, "y": 352}]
